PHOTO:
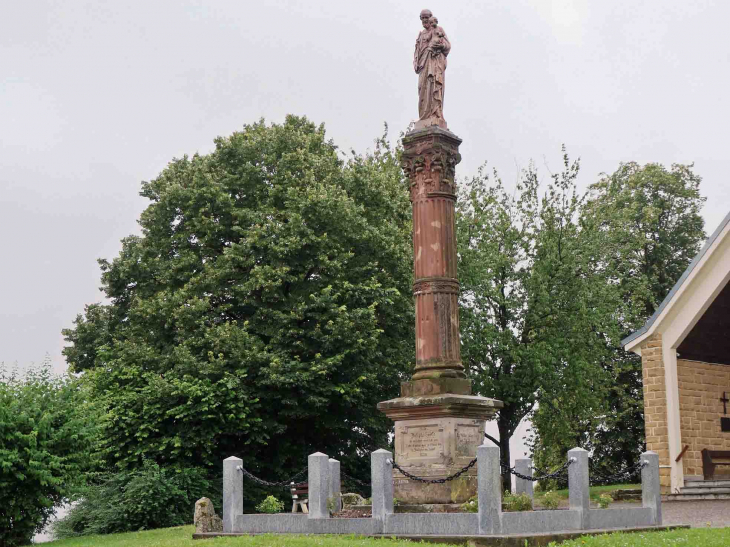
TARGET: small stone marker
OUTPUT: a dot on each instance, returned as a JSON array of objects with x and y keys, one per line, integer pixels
[
  {"x": 352, "y": 499},
  {"x": 205, "y": 519}
]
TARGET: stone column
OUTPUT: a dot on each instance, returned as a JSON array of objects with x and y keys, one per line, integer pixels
[
  {"x": 430, "y": 159},
  {"x": 579, "y": 483},
  {"x": 655, "y": 405},
  {"x": 318, "y": 480},
  {"x": 490, "y": 494},
  {"x": 335, "y": 484},
  {"x": 651, "y": 494},
  {"x": 232, "y": 492},
  {"x": 524, "y": 467},
  {"x": 438, "y": 422}
]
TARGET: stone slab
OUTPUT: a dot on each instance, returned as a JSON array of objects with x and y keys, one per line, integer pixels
[
  {"x": 536, "y": 522},
  {"x": 501, "y": 540},
  {"x": 443, "y": 405},
  {"x": 432, "y": 523},
  {"x": 615, "y": 518},
  {"x": 292, "y": 523},
  {"x": 365, "y": 526},
  {"x": 436, "y": 448}
]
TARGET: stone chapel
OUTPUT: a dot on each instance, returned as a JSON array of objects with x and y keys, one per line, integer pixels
[{"x": 685, "y": 354}]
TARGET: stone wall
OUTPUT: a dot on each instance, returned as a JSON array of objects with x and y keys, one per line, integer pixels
[
  {"x": 655, "y": 406},
  {"x": 701, "y": 386}
]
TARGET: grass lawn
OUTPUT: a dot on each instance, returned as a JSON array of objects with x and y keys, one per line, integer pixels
[
  {"x": 182, "y": 536},
  {"x": 697, "y": 537},
  {"x": 595, "y": 491}
]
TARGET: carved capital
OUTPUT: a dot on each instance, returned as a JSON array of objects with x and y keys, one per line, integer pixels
[{"x": 429, "y": 161}]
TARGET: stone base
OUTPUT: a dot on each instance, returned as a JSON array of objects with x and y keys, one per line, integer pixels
[
  {"x": 435, "y": 386},
  {"x": 431, "y": 122},
  {"x": 435, "y": 437}
]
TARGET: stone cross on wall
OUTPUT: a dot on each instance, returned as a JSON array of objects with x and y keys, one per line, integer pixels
[{"x": 725, "y": 401}]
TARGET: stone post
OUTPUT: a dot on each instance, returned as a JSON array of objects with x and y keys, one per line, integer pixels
[
  {"x": 651, "y": 490},
  {"x": 438, "y": 422},
  {"x": 524, "y": 467},
  {"x": 319, "y": 489},
  {"x": 381, "y": 482},
  {"x": 490, "y": 491},
  {"x": 578, "y": 484},
  {"x": 335, "y": 485},
  {"x": 232, "y": 492}
]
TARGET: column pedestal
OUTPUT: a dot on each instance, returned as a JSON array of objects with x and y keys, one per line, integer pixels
[{"x": 438, "y": 422}]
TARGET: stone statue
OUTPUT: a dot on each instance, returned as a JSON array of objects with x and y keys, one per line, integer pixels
[{"x": 429, "y": 62}]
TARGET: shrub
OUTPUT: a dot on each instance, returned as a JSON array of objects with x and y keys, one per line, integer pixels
[
  {"x": 471, "y": 505},
  {"x": 517, "y": 502},
  {"x": 604, "y": 500},
  {"x": 46, "y": 442},
  {"x": 551, "y": 500},
  {"x": 145, "y": 498},
  {"x": 272, "y": 505}
]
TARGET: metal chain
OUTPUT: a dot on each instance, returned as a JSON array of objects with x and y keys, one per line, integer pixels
[
  {"x": 624, "y": 474},
  {"x": 353, "y": 479},
  {"x": 282, "y": 484},
  {"x": 435, "y": 481},
  {"x": 554, "y": 475}
]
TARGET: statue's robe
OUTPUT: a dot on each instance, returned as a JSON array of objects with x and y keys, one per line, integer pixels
[{"x": 430, "y": 65}]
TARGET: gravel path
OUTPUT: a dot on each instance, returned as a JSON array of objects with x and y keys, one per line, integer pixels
[{"x": 698, "y": 514}]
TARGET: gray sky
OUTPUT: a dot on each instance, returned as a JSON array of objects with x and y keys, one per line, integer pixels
[{"x": 96, "y": 96}]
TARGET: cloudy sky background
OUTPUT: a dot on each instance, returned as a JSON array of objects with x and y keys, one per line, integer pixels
[{"x": 96, "y": 96}]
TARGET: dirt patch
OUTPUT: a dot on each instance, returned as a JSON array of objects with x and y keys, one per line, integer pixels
[{"x": 348, "y": 513}]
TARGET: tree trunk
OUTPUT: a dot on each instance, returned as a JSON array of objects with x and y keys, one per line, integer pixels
[{"x": 504, "y": 458}]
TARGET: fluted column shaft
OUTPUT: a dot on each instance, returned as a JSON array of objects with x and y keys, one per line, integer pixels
[{"x": 429, "y": 160}]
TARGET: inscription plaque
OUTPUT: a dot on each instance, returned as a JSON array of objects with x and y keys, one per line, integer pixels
[
  {"x": 423, "y": 441},
  {"x": 468, "y": 437}
]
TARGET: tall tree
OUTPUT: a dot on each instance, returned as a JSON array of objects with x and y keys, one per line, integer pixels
[
  {"x": 650, "y": 227},
  {"x": 264, "y": 311},
  {"x": 533, "y": 319}
]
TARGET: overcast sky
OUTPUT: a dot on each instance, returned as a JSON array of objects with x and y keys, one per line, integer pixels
[{"x": 96, "y": 96}]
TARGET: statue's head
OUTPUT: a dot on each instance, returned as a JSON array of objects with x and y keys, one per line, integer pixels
[
  {"x": 434, "y": 22},
  {"x": 426, "y": 16}
]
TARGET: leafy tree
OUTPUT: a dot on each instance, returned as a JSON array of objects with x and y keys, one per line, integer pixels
[
  {"x": 534, "y": 318},
  {"x": 263, "y": 312},
  {"x": 650, "y": 229},
  {"x": 47, "y": 438}
]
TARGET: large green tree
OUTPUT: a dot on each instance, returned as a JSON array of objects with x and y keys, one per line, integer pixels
[
  {"x": 534, "y": 317},
  {"x": 650, "y": 227},
  {"x": 263, "y": 312}
]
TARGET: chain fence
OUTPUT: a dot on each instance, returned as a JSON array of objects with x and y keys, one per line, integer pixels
[
  {"x": 559, "y": 473},
  {"x": 456, "y": 475},
  {"x": 281, "y": 484},
  {"x": 627, "y": 475}
]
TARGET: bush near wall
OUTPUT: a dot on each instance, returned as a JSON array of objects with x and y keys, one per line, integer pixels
[
  {"x": 46, "y": 442},
  {"x": 141, "y": 499}
]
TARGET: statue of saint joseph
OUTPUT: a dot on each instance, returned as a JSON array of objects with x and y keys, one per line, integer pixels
[{"x": 429, "y": 62}]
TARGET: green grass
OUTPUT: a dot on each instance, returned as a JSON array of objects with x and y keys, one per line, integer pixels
[
  {"x": 595, "y": 491},
  {"x": 697, "y": 537},
  {"x": 182, "y": 537}
]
